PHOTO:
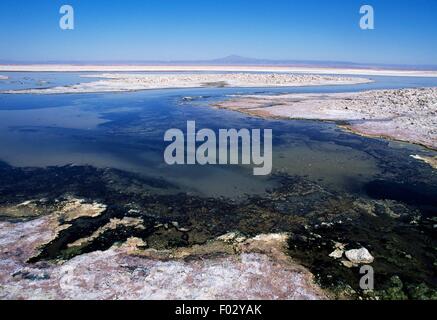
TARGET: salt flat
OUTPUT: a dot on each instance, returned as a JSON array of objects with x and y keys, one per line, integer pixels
[
  {"x": 121, "y": 82},
  {"x": 407, "y": 114}
]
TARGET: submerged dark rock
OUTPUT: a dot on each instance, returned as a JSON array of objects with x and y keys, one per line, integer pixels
[{"x": 422, "y": 196}]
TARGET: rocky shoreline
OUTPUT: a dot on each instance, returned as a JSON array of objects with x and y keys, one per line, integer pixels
[
  {"x": 138, "y": 82},
  {"x": 287, "y": 244},
  {"x": 229, "y": 267},
  {"x": 408, "y": 115}
]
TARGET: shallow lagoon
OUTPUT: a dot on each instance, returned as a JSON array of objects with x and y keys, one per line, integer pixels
[{"x": 125, "y": 131}]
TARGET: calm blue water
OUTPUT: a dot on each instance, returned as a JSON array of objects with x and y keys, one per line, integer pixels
[{"x": 125, "y": 131}]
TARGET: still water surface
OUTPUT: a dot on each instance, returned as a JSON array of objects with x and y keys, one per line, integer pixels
[{"x": 125, "y": 131}]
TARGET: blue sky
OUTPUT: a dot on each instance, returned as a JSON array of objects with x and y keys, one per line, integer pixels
[{"x": 406, "y": 30}]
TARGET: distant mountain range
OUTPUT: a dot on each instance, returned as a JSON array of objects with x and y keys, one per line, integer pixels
[{"x": 235, "y": 60}]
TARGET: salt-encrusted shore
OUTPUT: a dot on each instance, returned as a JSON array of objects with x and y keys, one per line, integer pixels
[
  {"x": 137, "y": 82},
  {"x": 229, "y": 267},
  {"x": 407, "y": 115},
  {"x": 216, "y": 68}
]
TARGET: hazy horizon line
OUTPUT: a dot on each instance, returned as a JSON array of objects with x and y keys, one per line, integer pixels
[{"x": 232, "y": 60}]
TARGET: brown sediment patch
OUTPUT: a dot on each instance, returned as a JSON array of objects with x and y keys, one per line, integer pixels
[
  {"x": 273, "y": 245},
  {"x": 113, "y": 224},
  {"x": 25, "y": 210},
  {"x": 73, "y": 209},
  {"x": 408, "y": 115},
  {"x": 432, "y": 161}
]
